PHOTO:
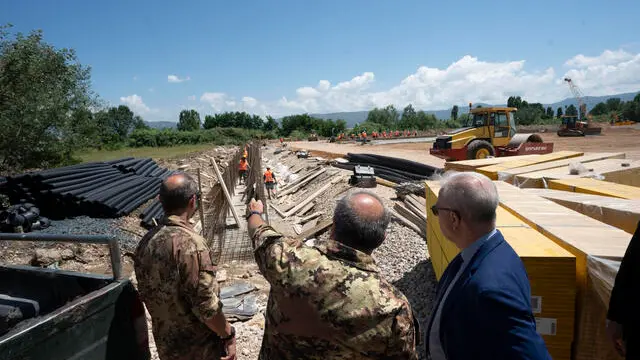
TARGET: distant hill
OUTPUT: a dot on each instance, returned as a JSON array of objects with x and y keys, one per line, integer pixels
[
  {"x": 359, "y": 116},
  {"x": 161, "y": 124}
]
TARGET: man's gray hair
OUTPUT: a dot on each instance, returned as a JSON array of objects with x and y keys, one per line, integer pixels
[
  {"x": 472, "y": 194},
  {"x": 354, "y": 231}
]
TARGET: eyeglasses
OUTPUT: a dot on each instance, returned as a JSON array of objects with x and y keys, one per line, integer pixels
[{"x": 435, "y": 209}]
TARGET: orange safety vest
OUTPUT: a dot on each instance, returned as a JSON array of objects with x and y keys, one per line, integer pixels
[
  {"x": 268, "y": 176},
  {"x": 243, "y": 165}
]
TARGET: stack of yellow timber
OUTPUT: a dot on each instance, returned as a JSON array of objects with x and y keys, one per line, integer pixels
[
  {"x": 596, "y": 187},
  {"x": 583, "y": 237},
  {"x": 510, "y": 174},
  {"x": 493, "y": 170},
  {"x": 621, "y": 213},
  {"x": 550, "y": 268},
  {"x": 620, "y": 171},
  {"x": 470, "y": 165}
]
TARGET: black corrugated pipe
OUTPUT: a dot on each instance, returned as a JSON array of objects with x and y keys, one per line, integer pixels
[
  {"x": 62, "y": 172},
  {"x": 98, "y": 191},
  {"x": 59, "y": 183},
  {"x": 142, "y": 163},
  {"x": 132, "y": 205},
  {"x": 116, "y": 161},
  {"x": 141, "y": 170},
  {"x": 119, "y": 189},
  {"x": 148, "y": 171},
  {"x": 78, "y": 188},
  {"x": 395, "y": 163},
  {"x": 132, "y": 193}
]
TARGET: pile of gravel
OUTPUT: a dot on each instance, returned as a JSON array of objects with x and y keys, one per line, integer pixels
[
  {"x": 84, "y": 225},
  {"x": 402, "y": 259}
]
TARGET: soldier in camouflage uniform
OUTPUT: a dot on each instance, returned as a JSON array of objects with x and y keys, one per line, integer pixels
[
  {"x": 328, "y": 299},
  {"x": 177, "y": 281}
]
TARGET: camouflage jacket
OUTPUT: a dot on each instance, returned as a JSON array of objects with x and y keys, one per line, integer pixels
[
  {"x": 328, "y": 301},
  {"x": 177, "y": 281}
]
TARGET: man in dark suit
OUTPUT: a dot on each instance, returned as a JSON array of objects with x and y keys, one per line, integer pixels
[
  {"x": 623, "y": 317},
  {"x": 483, "y": 304}
]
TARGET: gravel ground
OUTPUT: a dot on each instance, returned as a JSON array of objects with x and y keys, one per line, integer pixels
[{"x": 84, "y": 225}]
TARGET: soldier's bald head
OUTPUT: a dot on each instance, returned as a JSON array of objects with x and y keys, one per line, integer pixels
[
  {"x": 360, "y": 221},
  {"x": 176, "y": 192}
]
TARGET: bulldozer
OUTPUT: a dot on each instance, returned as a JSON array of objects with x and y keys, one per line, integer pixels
[
  {"x": 488, "y": 132},
  {"x": 313, "y": 137},
  {"x": 571, "y": 126}
]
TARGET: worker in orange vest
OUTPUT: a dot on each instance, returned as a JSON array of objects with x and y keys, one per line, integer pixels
[
  {"x": 243, "y": 166},
  {"x": 270, "y": 182},
  {"x": 397, "y": 133}
]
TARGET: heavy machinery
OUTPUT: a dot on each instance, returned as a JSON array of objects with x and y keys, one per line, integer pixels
[
  {"x": 313, "y": 137},
  {"x": 571, "y": 125},
  {"x": 615, "y": 121},
  {"x": 488, "y": 132}
]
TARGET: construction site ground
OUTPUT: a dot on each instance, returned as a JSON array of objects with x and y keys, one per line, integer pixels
[
  {"x": 613, "y": 139},
  {"x": 403, "y": 257}
]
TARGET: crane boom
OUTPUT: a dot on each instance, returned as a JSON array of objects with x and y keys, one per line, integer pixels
[{"x": 575, "y": 90}]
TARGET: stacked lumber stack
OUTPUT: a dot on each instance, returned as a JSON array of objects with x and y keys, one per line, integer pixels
[
  {"x": 492, "y": 170},
  {"x": 411, "y": 213},
  {"x": 621, "y": 213},
  {"x": 584, "y": 237},
  {"x": 471, "y": 165},
  {"x": 550, "y": 268},
  {"x": 596, "y": 187},
  {"x": 619, "y": 171},
  {"x": 510, "y": 174}
]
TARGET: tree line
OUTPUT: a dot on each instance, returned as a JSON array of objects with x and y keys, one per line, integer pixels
[{"x": 615, "y": 107}]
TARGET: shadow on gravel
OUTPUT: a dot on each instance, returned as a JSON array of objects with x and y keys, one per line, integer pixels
[{"x": 419, "y": 286}]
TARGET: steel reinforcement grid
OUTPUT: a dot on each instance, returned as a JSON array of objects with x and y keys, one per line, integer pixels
[{"x": 228, "y": 241}]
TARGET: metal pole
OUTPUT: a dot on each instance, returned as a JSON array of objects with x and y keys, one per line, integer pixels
[
  {"x": 225, "y": 190},
  {"x": 200, "y": 204}
]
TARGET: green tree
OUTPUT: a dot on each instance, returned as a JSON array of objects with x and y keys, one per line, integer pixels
[
  {"x": 210, "y": 122},
  {"x": 549, "y": 112},
  {"x": 559, "y": 112},
  {"x": 454, "y": 112},
  {"x": 600, "y": 109},
  {"x": 571, "y": 110},
  {"x": 270, "y": 125},
  {"x": 614, "y": 104},
  {"x": 42, "y": 90},
  {"x": 189, "y": 120}
]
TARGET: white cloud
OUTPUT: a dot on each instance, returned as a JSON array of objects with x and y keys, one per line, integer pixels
[
  {"x": 177, "y": 79},
  {"x": 468, "y": 79},
  {"x": 249, "y": 102},
  {"x": 135, "y": 103}
]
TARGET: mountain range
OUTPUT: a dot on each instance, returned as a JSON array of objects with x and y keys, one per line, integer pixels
[{"x": 354, "y": 117}]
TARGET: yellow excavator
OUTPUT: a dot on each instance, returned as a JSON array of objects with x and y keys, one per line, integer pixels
[{"x": 488, "y": 132}]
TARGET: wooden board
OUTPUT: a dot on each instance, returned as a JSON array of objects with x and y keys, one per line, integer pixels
[
  {"x": 492, "y": 170},
  {"x": 550, "y": 268},
  {"x": 510, "y": 173},
  {"x": 470, "y": 165},
  {"x": 621, "y": 213},
  {"x": 580, "y": 235},
  {"x": 621, "y": 171},
  {"x": 596, "y": 187}
]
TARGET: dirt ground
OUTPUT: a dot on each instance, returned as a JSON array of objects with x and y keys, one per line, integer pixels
[{"x": 613, "y": 139}]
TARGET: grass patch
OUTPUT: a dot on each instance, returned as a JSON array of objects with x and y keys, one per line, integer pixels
[{"x": 142, "y": 152}]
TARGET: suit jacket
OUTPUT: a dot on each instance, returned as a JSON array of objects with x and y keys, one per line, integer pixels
[
  {"x": 625, "y": 297},
  {"x": 488, "y": 314}
]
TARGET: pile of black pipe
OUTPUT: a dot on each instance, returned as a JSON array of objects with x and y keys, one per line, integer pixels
[
  {"x": 99, "y": 189},
  {"x": 22, "y": 218},
  {"x": 389, "y": 168},
  {"x": 152, "y": 212}
]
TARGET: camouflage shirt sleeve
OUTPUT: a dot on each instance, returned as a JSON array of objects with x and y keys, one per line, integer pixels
[
  {"x": 273, "y": 253},
  {"x": 402, "y": 343},
  {"x": 198, "y": 279}
]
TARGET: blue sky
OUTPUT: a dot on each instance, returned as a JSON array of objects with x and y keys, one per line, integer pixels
[{"x": 270, "y": 56}]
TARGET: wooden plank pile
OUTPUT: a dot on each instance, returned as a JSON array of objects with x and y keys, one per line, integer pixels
[{"x": 411, "y": 212}]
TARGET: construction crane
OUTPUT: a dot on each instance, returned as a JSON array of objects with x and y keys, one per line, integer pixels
[{"x": 571, "y": 124}]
